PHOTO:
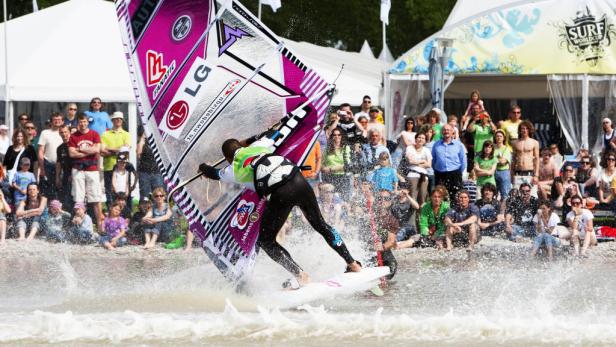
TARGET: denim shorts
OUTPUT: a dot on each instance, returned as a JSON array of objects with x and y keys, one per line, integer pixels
[
  {"x": 29, "y": 222},
  {"x": 106, "y": 238},
  {"x": 547, "y": 239}
]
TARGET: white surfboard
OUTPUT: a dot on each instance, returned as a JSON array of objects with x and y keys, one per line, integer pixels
[{"x": 343, "y": 284}]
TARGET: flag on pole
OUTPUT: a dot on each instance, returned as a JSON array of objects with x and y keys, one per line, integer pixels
[
  {"x": 274, "y": 4},
  {"x": 34, "y": 6},
  {"x": 385, "y": 7}
]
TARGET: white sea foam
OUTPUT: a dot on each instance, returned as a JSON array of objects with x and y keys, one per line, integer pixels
[{"x": 314, "y": 324}]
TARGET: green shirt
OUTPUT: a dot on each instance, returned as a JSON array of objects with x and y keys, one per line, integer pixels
[
  {"x": 337, "y": 158},
  {"x": 437, "y": 128},
  {"x": 427, "y": 219},
  {"x": 114, "y": 139},
  {"x": 486, "y": 164},
  {"x": 502, "y": 152},
  {"x": 482, "y": 134}
]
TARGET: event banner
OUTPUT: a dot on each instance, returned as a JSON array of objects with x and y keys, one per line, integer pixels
[{"x": 540, "y": 37}]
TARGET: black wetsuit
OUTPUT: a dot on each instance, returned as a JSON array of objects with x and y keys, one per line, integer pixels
[{"x": 292, "y": 190}]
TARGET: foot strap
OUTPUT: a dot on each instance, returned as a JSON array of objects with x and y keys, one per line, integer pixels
[{"x": 291, "y": 284}]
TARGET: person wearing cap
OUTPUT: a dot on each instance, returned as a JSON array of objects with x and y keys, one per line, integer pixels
[
  {"x": 21, "y": 180},
  {"x": 5, "y": 140},
  {"x": 113, "y": 142},
  {"x": 374, "y": 124},
  {"x": 82, "y": 228},
  {"x": 56, "y": 222},
  {"x": 48, "y": 144},
  {"x": 98, "y": 119},
  {"x": 609, "y": 135},
  {"x": 123, "y": 181}
]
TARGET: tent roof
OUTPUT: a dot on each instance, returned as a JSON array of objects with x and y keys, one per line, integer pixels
[
  {"x": 532, "y": 37},
  {"x": 73, "y": 51},
  {"x": 464, "y": 9}
]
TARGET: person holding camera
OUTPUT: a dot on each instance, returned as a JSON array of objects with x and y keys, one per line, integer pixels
[{"x": 483, "y": 130}]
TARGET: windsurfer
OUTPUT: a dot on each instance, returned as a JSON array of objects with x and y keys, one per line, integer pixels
[{"x": 254, "y": 165}]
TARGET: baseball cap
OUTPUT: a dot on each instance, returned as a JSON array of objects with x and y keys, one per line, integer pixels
[
  {"x": 117, "y": 115},
  {"x": 122, "y": 157},
  {"x": 24, "y": 161},
  {"x": 55, "y": 203},
  {"x": 80, "y": 205},
  {"x": 4, "y": 127},
  {"x": 374, "y": 109}
]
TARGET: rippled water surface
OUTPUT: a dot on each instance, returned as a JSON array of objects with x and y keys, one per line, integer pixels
[{"x": 496, "y": 297}]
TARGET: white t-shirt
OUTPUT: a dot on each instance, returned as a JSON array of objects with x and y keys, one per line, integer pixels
[
  {"x": 408, "y": 136},
  {"x": 4, "y": 144},
  {"x": 361, "y": 113},
  {"x": 605, "y": 180},
  {"x": 413, "y": 154},
  {"x": 584, "y": 218},
  {"x": 120, "y": 181},
  {"x": 51, "y": 140},
  {"x": 552, "y": 222}
]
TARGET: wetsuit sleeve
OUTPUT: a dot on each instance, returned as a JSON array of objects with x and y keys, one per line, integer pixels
[{"x": 209, "y": 171}]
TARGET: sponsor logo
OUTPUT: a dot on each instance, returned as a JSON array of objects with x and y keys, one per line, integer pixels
[
  {"x": 142, "y": 15},
  {"x": 157, "y": 72},
  {"x": 586, "y": 36},
  {"x": 213, "y": 108},
  {"x": 186, "y": 100},
  {"x": 230, "y": 36},
  {"x": 177, "y": 115},
  {"x": 254, "y": 217},
  {"x": 242, "y": 214},
  {"x": 181, "y": 28},
  {"x": 332, "y": 283}
]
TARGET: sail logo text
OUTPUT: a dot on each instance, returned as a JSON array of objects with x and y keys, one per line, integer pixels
[
  {"x": 157, "y": 72},
  {"x": 242, "y": 214},
  {"x": 177, "y": 114},
  {"x": 213, "y": 108}
]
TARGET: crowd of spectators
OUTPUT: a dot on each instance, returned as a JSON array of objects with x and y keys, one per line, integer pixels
[
  {"x": 73, "y": 182},
  {"x": 448, "y": 184}
]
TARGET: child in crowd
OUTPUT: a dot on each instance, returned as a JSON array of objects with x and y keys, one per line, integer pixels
[
  {"x": 385, "y": 177},
  {"x": 115, "y": 229},
  {"x": 82, "y": 227},
  {"x": 5, "y": 209},
  {"x": 453, "y": 121},
  {"x": 157, "y": 222},
  {"x": 475, "y": 99},
  {"x": 21, "y": 180},
  {"x": 135, "y": 233},
  {"x": 56, "y": 222},
  {"x": 125, "y": 206},
  {"x": 123, "y": 180}
]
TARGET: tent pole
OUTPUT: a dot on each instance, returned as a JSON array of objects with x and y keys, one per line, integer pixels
[
  {"x": 259, "y": 15},
  {"x": 7, "y": 119}
]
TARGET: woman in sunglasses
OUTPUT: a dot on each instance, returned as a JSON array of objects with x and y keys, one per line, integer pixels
[
  {"x": 586, "y": 176},
  {"x": 605, "y": 178},
  {"x": 580, "y": 225},
  {"x": 157, "y": 220}
]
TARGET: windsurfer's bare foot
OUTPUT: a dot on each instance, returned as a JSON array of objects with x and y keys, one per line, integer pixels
[
  {"x": 303, "y": 278},
  {"x": 354, "y": 267}
]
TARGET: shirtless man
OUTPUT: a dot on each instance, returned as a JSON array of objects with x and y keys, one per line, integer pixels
[
  {"x": 526, "y": 157},
  {"x": 511, "y": 125},
  {"x": 548, "y": 171}
]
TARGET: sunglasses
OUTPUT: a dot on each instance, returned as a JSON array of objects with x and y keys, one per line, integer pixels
[
  {"x": 576, "y": 203},
  {"x": 585, "y": 162},
  {"x": 611, "y": 159},
  {"x": 23, "y": 118},
  {"x": 30, "y": 128},
  {"x": 158, "y": 196},
  {"x": 95, "y": 102},
  {"x": 72, "y": 109},
  {"x": 525, "y": 191},
  {"x": 569, "y": 170},
  {"x": 336, "y": 134},
  {"x": 518, "y": 112}
]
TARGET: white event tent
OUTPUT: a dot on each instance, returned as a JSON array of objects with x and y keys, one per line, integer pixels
[{"x": 72, "y": 52}]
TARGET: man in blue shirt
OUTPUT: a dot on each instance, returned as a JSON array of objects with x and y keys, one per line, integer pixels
[
  {"x": 99, "y": 120},
  {"x": 370, "y": 153},
  {"x": 448, "y": 162}
]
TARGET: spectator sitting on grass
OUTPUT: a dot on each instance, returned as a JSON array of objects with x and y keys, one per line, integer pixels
[
  {"x": 135, "y": 233},
  {"x": 115, "y": 228},
  {"x": 29, "y": 212},
  {"x": 56, "y": 222},
  {"x": 82, "y": 228},
  {"x": 157, "y": 222}
]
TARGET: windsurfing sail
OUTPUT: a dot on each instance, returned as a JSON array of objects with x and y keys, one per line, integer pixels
[{"x": 204, "y": 71}]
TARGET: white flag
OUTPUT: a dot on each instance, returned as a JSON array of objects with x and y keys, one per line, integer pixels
[
  {"x": 274, "y": 4},
  {"x": 385, "y": 6}
]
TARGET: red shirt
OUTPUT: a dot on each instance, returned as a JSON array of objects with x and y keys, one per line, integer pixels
[{"x": 81, "y": 140}]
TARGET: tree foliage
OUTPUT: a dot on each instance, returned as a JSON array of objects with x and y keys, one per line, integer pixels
[{"x": 341, "y": 24}]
